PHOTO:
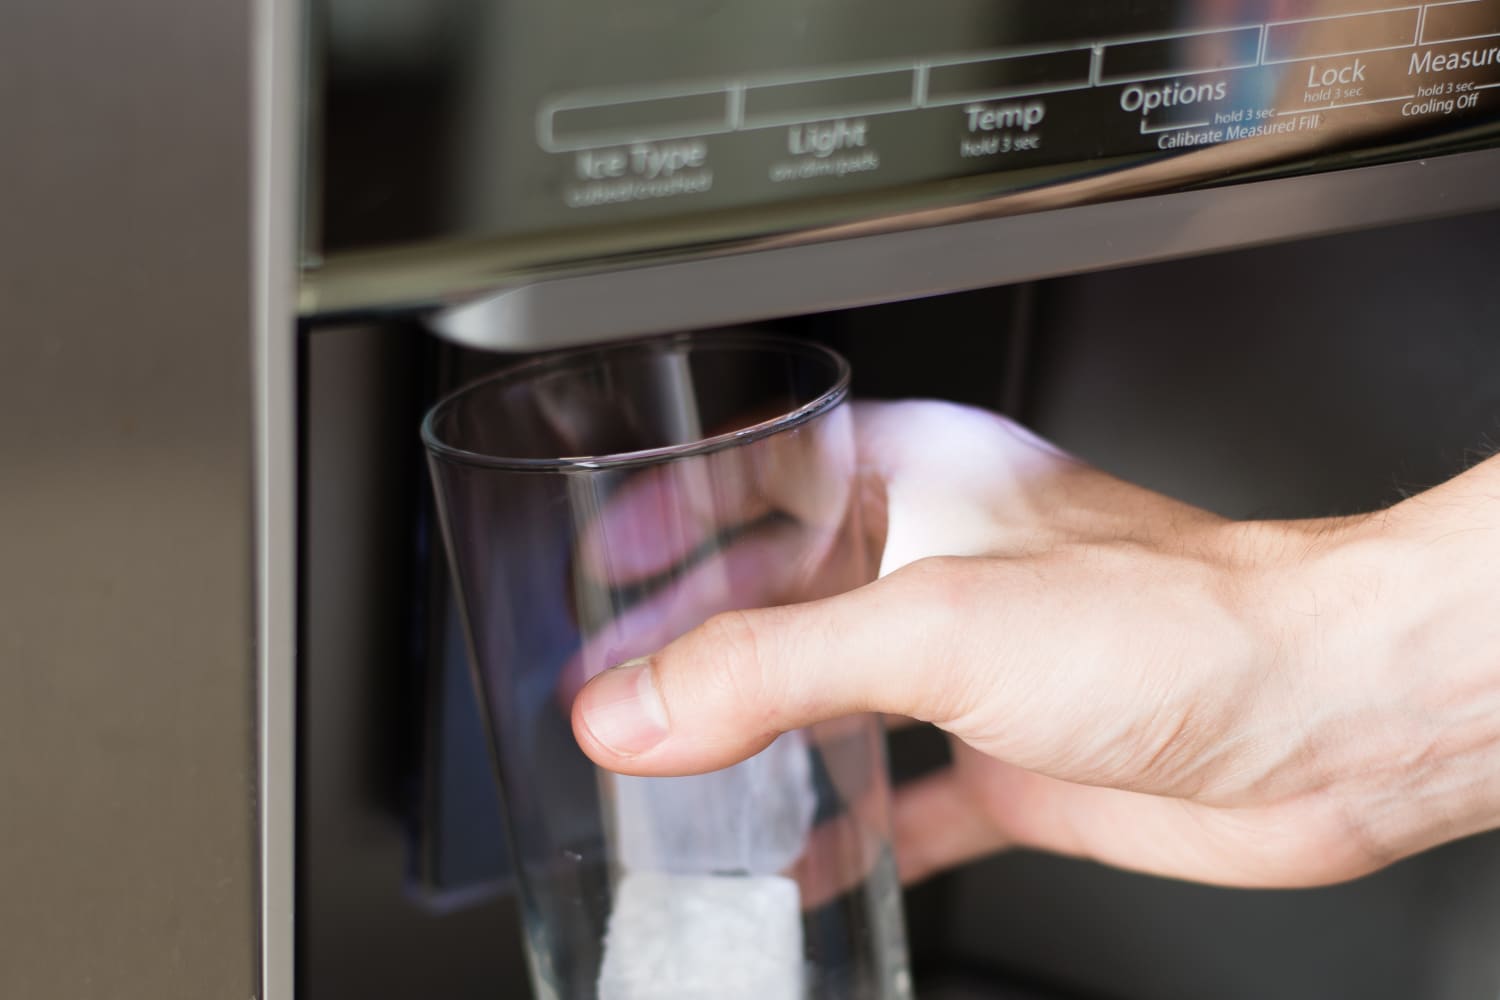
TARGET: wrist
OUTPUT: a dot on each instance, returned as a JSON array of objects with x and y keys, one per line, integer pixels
[{"x": 1396, "y": 649}]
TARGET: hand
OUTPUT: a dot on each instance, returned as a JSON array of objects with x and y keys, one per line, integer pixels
[{"x": 1125, "y": 677}]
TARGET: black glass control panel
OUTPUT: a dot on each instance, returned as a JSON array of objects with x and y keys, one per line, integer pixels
[{"x": 572, "y": 128}]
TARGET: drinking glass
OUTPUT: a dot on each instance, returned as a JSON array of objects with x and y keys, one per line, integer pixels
[{"x": 596, "y": 504}]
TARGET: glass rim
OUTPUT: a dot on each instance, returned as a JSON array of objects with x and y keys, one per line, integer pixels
[{"x": 826, "y": 400}]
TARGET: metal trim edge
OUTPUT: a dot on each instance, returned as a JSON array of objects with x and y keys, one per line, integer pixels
[
  {"x": 274, "y": 51},
  {"x": 867, "y": 267}
]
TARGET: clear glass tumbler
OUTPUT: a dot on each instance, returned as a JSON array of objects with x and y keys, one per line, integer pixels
[{"x": 596, "y": 504}]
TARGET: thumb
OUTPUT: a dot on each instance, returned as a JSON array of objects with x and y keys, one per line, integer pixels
[{"x": 723, "y": 691}]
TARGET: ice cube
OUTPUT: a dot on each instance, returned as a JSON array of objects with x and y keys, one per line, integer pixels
[
  {"x": 696, "y": 937},
  {"x": 753, "y": 817}
]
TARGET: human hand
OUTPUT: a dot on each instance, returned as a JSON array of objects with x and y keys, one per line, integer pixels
[{"x": 1125, "y": 677}]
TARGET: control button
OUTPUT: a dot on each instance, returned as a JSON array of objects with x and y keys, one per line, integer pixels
[
  {"x": 1460, "y": 21},
  {"x": 1180, "y": 55},
  {"x": 843, "y": 96},
  {"x": 962, "y": 81},
  {"x": 1341, "y": 35},
  {"x": 577, "y": 123}
]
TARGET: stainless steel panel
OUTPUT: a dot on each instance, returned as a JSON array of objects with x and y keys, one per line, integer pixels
[
  {"x": 127, "y": 698},
  {"x": 562, "y": 136}
]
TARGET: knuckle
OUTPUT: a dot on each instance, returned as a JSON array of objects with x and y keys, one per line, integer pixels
[
  {"x": 948, "y": 595},
  {"x": 731, "y": 664},
  {"x": 947, "y": 588},
  {"x": 934, "y": 577}
]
